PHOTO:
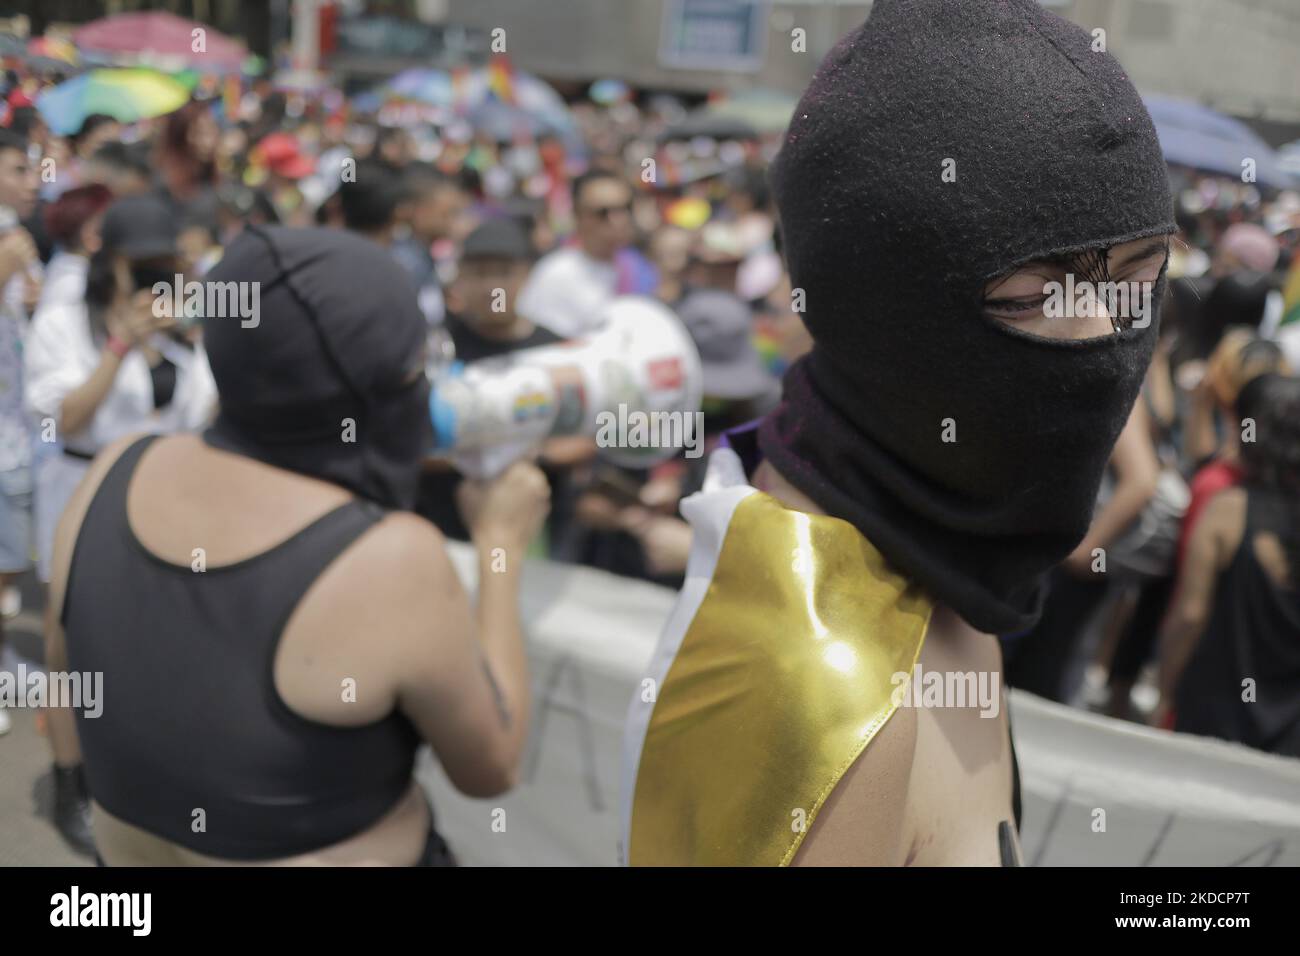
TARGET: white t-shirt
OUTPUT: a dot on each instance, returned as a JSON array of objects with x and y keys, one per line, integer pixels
[
  {"x": 567, "y": 292},
  {"x": 60, "y": 356},
  {"x": 65, "y": 280}
]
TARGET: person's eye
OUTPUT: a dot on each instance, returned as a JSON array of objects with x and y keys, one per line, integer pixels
[{"x": 1015, "y": 308}]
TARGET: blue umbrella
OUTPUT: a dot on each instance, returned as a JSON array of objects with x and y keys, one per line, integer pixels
[
  {"x": 1197, "y": 136},
  {"x": 429, "y": 86}
]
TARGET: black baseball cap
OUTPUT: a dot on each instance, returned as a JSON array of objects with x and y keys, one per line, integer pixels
[
  {"x": 497, "y": 239},
  {"x": 721, "y": 326},
  {"x": 140, "y": 227}
]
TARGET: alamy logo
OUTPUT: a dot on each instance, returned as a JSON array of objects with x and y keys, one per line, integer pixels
[
  {"x": 633, "y": 428},
  {"x": 134, "y": 910},
  {"x": 922, "y": 688},
  {"x": 36, "y": 689},
  {"x": 218, "y": 300},
  {"x": 1123, "y": 300}
]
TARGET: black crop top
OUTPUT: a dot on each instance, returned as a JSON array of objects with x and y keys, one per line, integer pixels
[{"x": 194, "y": 743}]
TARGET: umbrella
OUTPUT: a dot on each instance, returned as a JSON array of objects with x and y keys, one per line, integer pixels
[
  {"x": 503, "y": 122},
  {"x": 50, "y": 64},
  {"x": 126, "y": 95},
  {"x": 469, "y": 91},
  {"x": 53, "y": 48},
  {"x": 534, "y": 105},
  {"x": 431, "y": 87},
  {"x": 159, "y": 37},
  {"x": 1197, "y": 136},
  {"x": 1288, "y": 157}
]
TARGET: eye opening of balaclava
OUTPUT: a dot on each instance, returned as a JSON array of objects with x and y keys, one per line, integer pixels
[
  {"x": 968, "y": 451},
  {"x": 1091, "y": 264},
  {"x": 320, "y": 382}
]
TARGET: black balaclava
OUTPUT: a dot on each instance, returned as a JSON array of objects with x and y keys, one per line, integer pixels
[
  {"x": 1054, "y": 153},
  {"x": 322, "y": 383}
]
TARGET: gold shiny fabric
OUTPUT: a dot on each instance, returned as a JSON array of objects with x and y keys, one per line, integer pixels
[{"x": 782, "y": 679}]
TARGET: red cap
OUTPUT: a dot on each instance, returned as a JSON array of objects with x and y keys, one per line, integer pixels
[{"x": 282, "y": 155}]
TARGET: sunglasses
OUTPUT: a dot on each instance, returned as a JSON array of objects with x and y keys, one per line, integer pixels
[{"x": 607, "y": 212}]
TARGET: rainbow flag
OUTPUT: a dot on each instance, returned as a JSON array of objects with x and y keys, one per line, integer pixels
[{"x": 501, "y": 78}]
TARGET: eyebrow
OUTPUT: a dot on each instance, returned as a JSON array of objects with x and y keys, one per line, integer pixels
[
  {"x": 1159, "y": 244},
  {"x": 1069, "y": 260}
]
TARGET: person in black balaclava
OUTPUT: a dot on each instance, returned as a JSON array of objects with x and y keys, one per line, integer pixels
[
  {"x": 290, "y": 388},
  {"x": 949, "y": 161},
  {"x": 1053, "y": 154},
  {"x": 279, "y": 632}
]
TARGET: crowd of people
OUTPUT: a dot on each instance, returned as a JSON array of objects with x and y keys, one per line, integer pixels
[{"x": 1187, "y": 582}]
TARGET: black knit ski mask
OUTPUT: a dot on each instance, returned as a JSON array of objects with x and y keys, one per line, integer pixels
[
  {"x": 1053, "y": 153},
  {"x": 323, "y": 382}
]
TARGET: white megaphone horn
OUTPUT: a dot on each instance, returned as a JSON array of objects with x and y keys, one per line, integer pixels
[{"x": 634, "y": 386}]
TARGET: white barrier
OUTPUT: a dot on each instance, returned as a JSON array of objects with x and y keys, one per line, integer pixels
[{"x": 1096, "y": 791}]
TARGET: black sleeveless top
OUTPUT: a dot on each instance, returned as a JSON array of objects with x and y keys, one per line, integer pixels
[
  {"x": 194, "y": 744},
  {"x": 1253, "y": 632}
]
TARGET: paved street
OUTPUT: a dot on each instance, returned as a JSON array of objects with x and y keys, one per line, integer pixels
[{"x": 27, "y": 837}]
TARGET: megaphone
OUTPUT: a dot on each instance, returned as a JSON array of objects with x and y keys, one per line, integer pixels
[{"x": 634, "y": 386}]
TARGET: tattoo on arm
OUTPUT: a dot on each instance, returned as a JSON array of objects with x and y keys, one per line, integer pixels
[{"x": 503, "y": 711}]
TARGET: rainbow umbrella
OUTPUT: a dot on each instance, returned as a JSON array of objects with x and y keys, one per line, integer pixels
[
  {"x": 126, "y": 95},
  {"x": 53, "y": 48}
]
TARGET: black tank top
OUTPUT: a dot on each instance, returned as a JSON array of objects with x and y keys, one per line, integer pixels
[
  {"x": 194, "y": 743},
  {"x": 1253, "y": 631}
]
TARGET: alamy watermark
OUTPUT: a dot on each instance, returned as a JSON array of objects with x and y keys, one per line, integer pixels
[
  {"x": 24, "y": 687},
  {"x": 133, "y": 911},
  {"x": 632, "y": 428},
  {"x": 922, "y": 688},
  {"x": 1122, "y": 300},
  {"x": 219, "y": 300}
]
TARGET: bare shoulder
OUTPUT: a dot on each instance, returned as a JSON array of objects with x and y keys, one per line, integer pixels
[
  {"x": 403, "y": 557},
  {"x": 1224, "y": 521},
  {"x": 1227, "y": 507},
  {"x": 396, "y": 582},
  {"x": 862, "y": 821},
  {"x": 373, "y": 616}
]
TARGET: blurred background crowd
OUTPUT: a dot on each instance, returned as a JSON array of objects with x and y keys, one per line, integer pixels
[{"x": 124, "y": 161}]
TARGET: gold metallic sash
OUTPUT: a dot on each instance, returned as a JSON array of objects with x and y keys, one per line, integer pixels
[{"x": 782, "y": 679}]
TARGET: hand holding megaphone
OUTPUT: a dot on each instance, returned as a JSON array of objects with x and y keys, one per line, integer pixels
[{"x": 635, "y": 386}]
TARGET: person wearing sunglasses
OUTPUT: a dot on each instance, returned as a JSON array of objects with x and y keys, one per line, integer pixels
[{"x": 570, "y": 286}]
